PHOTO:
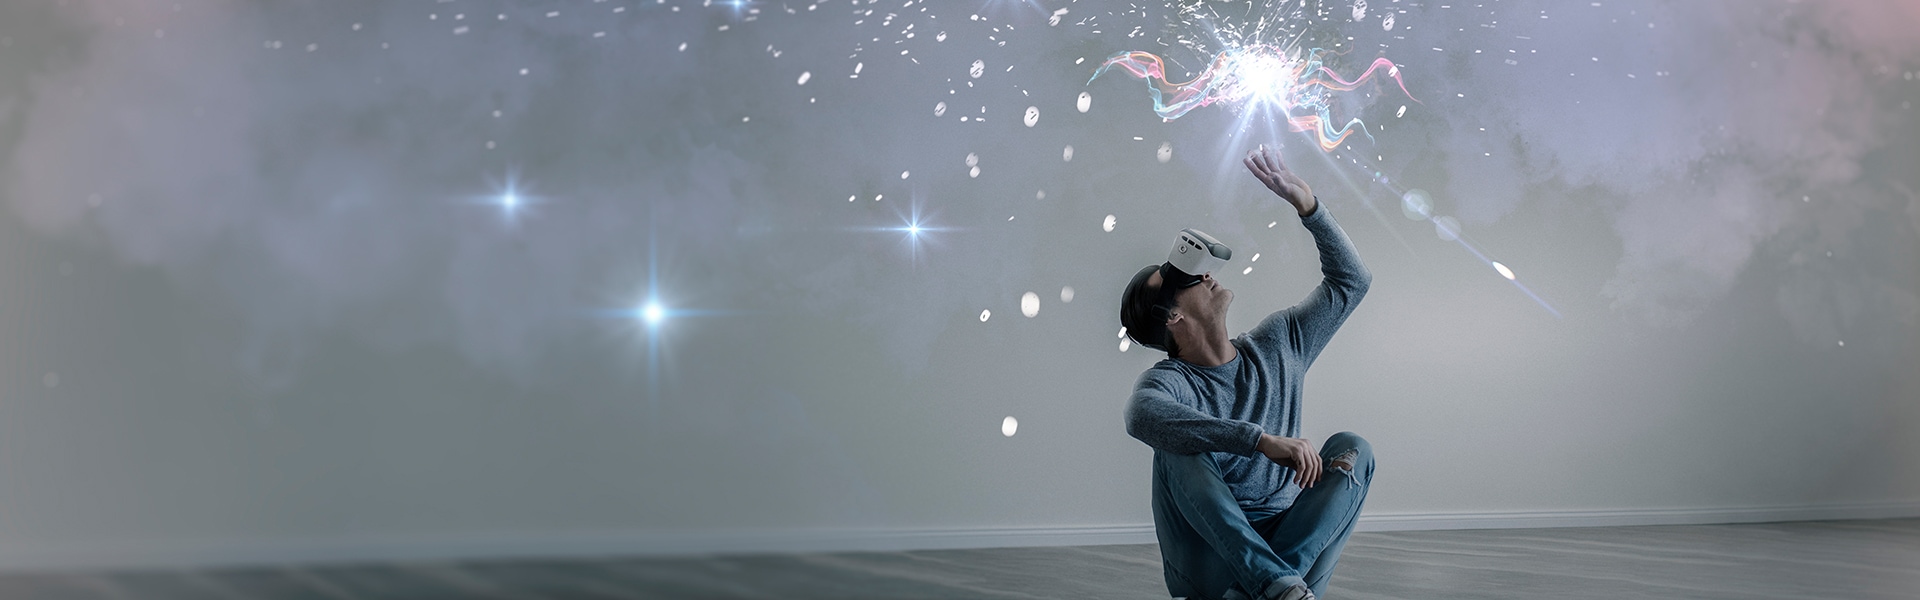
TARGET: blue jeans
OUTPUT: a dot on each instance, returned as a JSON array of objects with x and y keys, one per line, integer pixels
[{"x": 1211, "y": 548}]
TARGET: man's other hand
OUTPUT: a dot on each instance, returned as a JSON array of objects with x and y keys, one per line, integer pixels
[
  {"x": 1267, "y": 166},
  {"x": 1294, "y": 453}
]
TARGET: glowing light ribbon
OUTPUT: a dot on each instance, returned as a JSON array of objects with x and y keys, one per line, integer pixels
[{"x": 1252, "y": 75}]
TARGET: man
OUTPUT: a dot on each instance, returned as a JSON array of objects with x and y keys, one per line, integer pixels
[{"x": 1239, "y": 504}]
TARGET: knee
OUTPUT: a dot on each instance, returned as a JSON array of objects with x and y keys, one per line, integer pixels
[{"x": 1347, "y": 442}]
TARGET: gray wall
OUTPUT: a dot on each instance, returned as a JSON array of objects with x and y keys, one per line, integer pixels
[{"x": 257, "y": 295}]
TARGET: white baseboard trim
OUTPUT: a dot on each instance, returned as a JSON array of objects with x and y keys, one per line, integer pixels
[
  {"x": 26, "y": 556},
  {"x": 1622, "y": 518}
]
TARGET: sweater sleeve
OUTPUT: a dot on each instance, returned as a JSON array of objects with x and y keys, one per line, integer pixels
[
  {"x": 1156, "y": 417},
  {"x": 1308, "y": 326}
]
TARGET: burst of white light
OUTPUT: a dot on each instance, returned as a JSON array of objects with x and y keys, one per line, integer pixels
[
  {"x": 1263, "y": 78},
  {"x": 653, "y": 313},
  {"x": 510, "y": 198},
  {"x": 916, "y": 227}
]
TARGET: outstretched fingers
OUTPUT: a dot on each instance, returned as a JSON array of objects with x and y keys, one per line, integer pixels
[
  {"x": 1273, "y": 161},
  {"x": 1259, "y": 171}
]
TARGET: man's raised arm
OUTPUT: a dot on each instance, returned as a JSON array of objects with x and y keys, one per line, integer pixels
[{"x": 1345, "y": 280}]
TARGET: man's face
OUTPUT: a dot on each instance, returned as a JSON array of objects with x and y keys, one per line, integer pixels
[{"x": 1206, "y": 300}]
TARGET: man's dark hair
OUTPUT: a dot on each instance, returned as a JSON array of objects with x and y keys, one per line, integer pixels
[{"x": 1144, "y": 310}]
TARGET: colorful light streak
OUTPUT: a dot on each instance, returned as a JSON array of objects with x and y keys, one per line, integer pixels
[{"x": 1258, "y": 74}]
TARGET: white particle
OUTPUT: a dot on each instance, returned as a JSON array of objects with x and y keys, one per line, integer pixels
[
  {"x": 489, "y": 144},
  {"x": 683, "y": 45},
  {"x": 979, "y": 68},
  {"x": 356, "y": 26},
  {"x": 940, "y": 37},
  {"x": 984, "y": 315},
  {"x": 850, "y": 198},
  {"x": 1040, "y": 195},
  {"x": 972, "y": 159},
  {"x": 460, "y": 30},
  {"x": 877, "y": 197},
  {"x": 973, "y": 172},
  {"x": 1125, "y": 343},
  {"x": 1067, "y": 155},
  {"x": 804, "y": 76},
  {"x": 939, "y": 108},
  {"x": 1009, "y": 426},
  {"x": 1402, "y": 112},
  {"x": 1123, "y": 333},
  {"x": 1246, "y": 270},
  {"x": 1033, "y": 116},
  {"x": 1256, "y": 255},
  {"x": 745, "y": 119},
  {"x": 1066, "y": 294},
  {"x": 1107, "y": 224},
  {"x": 312, "y": 47},
  {"x": 525, "y": 71},
  {"x": 1270, "y": 225},
  {"x": 496, "y": 114},
  {"x": 857, "y": 67},
  {"x": 1085, "y": 102},
  {"x": 903, "y": 174},
  {"x": 1029, "y": 304},
  {"x": 1165, "y": 153}
]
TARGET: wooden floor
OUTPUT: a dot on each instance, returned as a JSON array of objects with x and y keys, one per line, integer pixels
[{"x": 1828, "y": 559}]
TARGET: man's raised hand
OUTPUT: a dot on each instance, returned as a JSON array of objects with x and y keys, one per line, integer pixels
[{"x": 1271, "y": 171}]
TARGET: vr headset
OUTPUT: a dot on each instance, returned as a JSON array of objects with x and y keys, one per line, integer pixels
[{"x": 1194, "y": 255}]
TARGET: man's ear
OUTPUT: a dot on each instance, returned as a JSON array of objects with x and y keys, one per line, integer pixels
[{"x": 1173, "y": 317}]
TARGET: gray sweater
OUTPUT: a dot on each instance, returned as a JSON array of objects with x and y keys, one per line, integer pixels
[{"x": 1184, "y": 408}]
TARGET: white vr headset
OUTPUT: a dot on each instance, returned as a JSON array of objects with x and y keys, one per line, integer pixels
[{"x": 1197, "y": 253}]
